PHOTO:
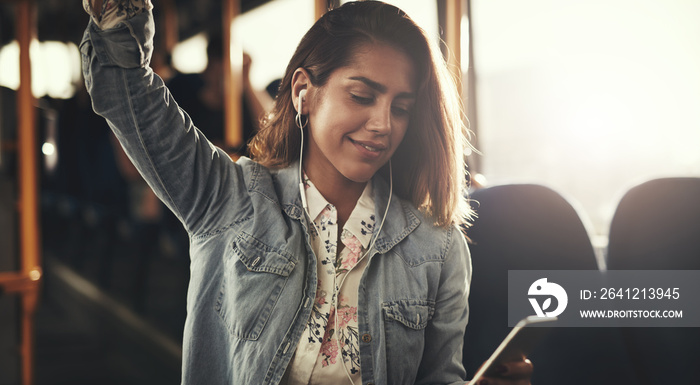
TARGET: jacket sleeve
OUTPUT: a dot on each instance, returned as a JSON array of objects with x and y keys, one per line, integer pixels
[
  {"x": 189, "y": 174},
  {"x": 444, "y": 335}
]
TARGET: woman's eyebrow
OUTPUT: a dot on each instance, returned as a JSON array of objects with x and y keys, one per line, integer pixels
[{"x": 381, "y": 88}]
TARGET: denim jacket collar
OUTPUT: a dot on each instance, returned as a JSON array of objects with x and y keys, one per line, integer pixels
[{"x": 402, "y": 218}]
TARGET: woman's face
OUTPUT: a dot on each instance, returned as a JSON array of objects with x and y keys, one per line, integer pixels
[{"x": 359, "y": 117}]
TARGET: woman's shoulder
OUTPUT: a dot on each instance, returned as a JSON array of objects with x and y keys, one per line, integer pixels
[
  {"x": 417, "y": 238},
  {"x": 279, "y": 185},
  {"x": 257, "y": 177},
  {"x": 443, "y": 238}
]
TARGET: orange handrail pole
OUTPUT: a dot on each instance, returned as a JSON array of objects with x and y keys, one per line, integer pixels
[
  {"x": 470, "y": 108},
  {"x": 320, "y": 8},
  {"x": 454, "y": 10},
  {"x": 233, "y": 89},
  {"x": 28, "y": 186},
  {"x": 170, "y": 25},
  {"x": 28, "y": 168}
]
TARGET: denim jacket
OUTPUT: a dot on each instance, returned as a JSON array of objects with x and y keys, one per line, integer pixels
[{"x": 253, "y": 273}]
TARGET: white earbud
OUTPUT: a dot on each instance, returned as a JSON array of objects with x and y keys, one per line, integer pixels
[{"x": 302, "y": 96}]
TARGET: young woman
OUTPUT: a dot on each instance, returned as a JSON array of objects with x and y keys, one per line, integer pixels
[{"x": 335, "y": 255}]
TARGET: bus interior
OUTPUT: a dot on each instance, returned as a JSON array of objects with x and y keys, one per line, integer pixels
[{"x": 585, "y": 132}]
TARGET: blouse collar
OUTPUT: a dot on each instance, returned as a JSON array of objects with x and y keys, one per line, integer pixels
[{"x": 361, "y": 222}]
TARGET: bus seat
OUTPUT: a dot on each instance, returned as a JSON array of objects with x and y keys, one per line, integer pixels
[
  {"x": 656, "y": 226},
  {"x": 532, "y": 227}
]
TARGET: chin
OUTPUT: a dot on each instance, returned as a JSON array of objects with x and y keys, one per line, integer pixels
[
  {"x": 360, "y": 174},
  {"x": 359, "y": 178}
]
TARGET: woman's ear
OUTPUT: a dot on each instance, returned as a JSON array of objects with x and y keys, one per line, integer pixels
[{"x": 300, "y": 85}]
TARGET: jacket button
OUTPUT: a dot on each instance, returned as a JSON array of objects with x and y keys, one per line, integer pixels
[{"x": 366, "y": 338}]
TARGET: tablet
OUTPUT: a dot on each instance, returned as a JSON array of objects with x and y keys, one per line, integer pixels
[{"x": 517, "y": 344}]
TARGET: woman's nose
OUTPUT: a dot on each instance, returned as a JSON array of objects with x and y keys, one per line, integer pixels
[{"x": 380, "y": 120}]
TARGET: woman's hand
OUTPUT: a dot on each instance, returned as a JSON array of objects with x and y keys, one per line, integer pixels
[
  {"x": 92, "y": 7},
  {"x": 509, "y": 373},
  {"x": 109, "y": 13}
]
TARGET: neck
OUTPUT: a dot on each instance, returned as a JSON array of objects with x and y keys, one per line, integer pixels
[{"x": 338, "y": 190}]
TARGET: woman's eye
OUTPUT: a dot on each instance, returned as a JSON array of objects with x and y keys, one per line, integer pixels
[
  {"x": 400, "y": 111},
  {"x": 362, "y": 99}
]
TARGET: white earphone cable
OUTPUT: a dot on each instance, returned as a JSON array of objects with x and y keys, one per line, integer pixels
[
  {"x": 306, "y": 211},
  {"x": 369, "y": 248},
  {"x": 301, "y": 126}
]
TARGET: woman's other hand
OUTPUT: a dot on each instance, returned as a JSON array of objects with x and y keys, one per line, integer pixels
[{"x": 509, "y": 373}]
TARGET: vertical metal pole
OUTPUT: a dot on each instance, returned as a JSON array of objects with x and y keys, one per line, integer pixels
[
  {"x": 233, "y": 78},
  {"x": 451, "y": 13},
  {"x": 474, "y": 160},
  {"x": 28, "y": 186},
  {"x": 320, "y": 8},
  {"x": 170, "y": 27},
  {"x": 453, "y": 38}
]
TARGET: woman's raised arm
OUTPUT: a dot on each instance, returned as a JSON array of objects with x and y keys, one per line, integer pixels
[{"x": 185, "y": 170}]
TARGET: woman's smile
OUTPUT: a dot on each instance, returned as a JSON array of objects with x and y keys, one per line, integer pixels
[{"x": 369, "y": 149}]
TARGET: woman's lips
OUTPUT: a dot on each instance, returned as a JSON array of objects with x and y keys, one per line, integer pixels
[{"x": 368, "y": 148}]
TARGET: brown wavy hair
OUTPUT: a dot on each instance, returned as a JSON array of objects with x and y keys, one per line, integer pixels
[{"x": 432, "y": 172}]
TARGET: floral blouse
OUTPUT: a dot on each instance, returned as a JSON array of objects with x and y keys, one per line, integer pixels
[{"x": 330, "y": 341}]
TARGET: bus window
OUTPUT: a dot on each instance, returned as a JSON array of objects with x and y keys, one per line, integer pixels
[{"x": 587, "y": 97}]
